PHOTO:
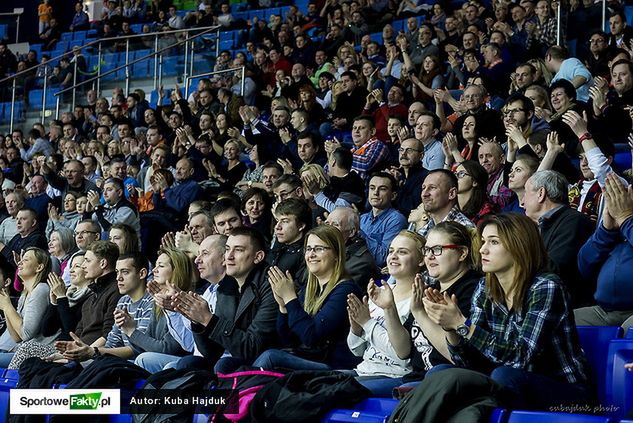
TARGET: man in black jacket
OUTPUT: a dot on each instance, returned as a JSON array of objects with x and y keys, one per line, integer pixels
[
  {"x": 359, "y": 262},
  {"x": 243, "y": 324},
  {"x": 563, "y": 229}
]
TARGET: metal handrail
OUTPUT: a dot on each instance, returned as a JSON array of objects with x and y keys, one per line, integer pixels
[
  {"x": 17, "y": 21},
  {"x": 155, "y": 53},
  {"x": 101, "y": 40},
  {"x": 241, "y": 68}
]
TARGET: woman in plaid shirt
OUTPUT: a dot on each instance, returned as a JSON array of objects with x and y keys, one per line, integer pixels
[{"x": 521, "y": 330}]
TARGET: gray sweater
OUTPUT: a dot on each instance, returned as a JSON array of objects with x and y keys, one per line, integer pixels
[
  {"x": 156, "y": 338},
  {"x": 31, "y": 308}
]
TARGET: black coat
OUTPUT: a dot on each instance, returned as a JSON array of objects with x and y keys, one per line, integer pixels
[
  {"x": 243, "y": 323},
  {"x": 564, "y": 233}
]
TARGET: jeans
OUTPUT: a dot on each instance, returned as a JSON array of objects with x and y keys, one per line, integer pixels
[
  {"x": 194, "y": 362},
  {"x": 154, "y": 362},
  {"x": 533, "y": 390},
  {"x": 228, "y": 365},
  {"x": 380, "y": 386},
  {"x": 5, "y": 359},
  {"x": 272, "y": 359}
]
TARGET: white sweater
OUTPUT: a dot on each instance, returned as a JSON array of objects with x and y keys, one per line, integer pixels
[{"x": 379, "y": 357}]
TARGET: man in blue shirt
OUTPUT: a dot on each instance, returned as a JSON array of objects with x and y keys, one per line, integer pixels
[{"x": 381, "y": 225}]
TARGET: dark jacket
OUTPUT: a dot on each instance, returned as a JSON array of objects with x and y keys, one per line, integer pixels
[
  {"x": 17, "y": 244},
  {"x": 61, "y": 184},
  {"x": 289, "y": 257},
  {"x": 360, "y": 264},
  {"x": 97, "y": 311},
  {"x": 178, "y": 197},
  {"x": 564, "y": 233},
  {"x": 243, "y": 323},
  {"x": 326, "y": 331},
  {"x": 410, "y": 191}
]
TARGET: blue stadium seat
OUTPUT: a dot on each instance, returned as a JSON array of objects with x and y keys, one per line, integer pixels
[
  {"x": 595, "y": 343},
  {"x": 499, "y": 415},
  {"x": 628, "y": 13},
  {"x": 376, "y": 36},
  {"x": 371, "y": 410},
  {"x": 542, "y": 417},
  {"x": 619, "y": 382},
  {"x": 67, "y": 36},
  {"x": 622, "y": 160},
  {"x": 169, "y": 66},
  {"x": 629, "y": 334},
  {"x": 91, "y": 33}
]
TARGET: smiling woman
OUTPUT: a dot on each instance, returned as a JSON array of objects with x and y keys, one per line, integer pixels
[{"x": 314, "y": 323}]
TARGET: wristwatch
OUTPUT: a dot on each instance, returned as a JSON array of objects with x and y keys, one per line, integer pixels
[{"x": 463, "y": 329}]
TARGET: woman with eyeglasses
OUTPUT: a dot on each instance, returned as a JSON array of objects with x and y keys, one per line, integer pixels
[
  {"x": 521, "y": 330},
  {"x": 313, "y": 323},
  {"x": 450, "y": 258},
  {"x": 472, "y": 191},
  {"x": 370, "y": 337}
]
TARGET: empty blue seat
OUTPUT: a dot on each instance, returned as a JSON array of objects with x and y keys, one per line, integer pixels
[
  {"x": 499, "y": 415},
  {"x": 619, "y": 381},
  {"x": 595, "y": 343},
  {"x": 371, "y": 410},
  {"x": 12, "y": 374},
  {"x": 629, "y": 333},
  {"x": 67, "y": 36},
  {"x": 541, "y": 417}
]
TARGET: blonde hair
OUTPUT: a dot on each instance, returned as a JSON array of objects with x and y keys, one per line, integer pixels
[
  {"x": 315, "y": 296},
  {"x": 182, "y": 268},
  {"x": 316, "y": 171}
]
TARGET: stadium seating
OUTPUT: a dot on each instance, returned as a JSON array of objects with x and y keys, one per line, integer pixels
[
  {"x": 372, "y": 410},
  {"x": 595, "y": 343},
  {"x": 619, "y": 382},
  {"x": 535, "y": 416}
]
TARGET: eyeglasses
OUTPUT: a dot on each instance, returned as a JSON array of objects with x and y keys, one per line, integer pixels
[
  {"x": 83, "y": 233},
  {"x": 408, "y": 150},
  {"x": 437, "y": 250},
  {"x": 320, "y": 249},
  {"x": 512, "y": 112},
  {"x": 461, "y": 174}
]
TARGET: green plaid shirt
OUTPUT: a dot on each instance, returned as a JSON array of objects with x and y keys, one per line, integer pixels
[{"x": 540, "y": 338}]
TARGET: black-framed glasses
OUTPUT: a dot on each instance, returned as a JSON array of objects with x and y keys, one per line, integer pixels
[{"x": 437, "y": 250}]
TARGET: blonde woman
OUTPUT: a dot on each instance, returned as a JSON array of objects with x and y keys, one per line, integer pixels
[
  {"x": 382, "y": 369},
  {"x": 313, "y": 323},
  {"x": 24, "y": 322}
]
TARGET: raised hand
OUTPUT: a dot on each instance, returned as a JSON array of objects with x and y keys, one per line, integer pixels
[
  {"x": 446, "y": 313},
  {"x": 358, "y": 310},
  {"x": 382, "y": 296},
  {"x": 618, "y": 199},
  {"x": 553, "y": 143},
  {"x": 57, "y": 287},
  {"x": 282, "y": 284},
  {"x": 124, "y": 321},
  {"x": 193, "y": 307}
]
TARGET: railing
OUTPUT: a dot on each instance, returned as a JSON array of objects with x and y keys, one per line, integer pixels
[
  {"x": 99, "y": 42},
  {"x": 188, "y": 78},
  {"x": 17, "y": 12},
  {"x": 157, "y": 63}
]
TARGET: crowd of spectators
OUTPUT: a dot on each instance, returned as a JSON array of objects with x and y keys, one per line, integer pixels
[{"x": 447, "y": 197}]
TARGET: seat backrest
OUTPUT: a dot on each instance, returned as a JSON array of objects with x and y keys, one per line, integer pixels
[
  {"x": 595, "y": 343},
  {"x": 619, "y": 381},
  {"x": 542, "y": 417}
]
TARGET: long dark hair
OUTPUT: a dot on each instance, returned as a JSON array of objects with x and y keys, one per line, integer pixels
[{"x": 479, "y": 191}]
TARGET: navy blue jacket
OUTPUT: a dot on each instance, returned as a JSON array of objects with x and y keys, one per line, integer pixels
[
  {"x": 608, "y": 256},
  {"x": 329, "y": 327}
]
